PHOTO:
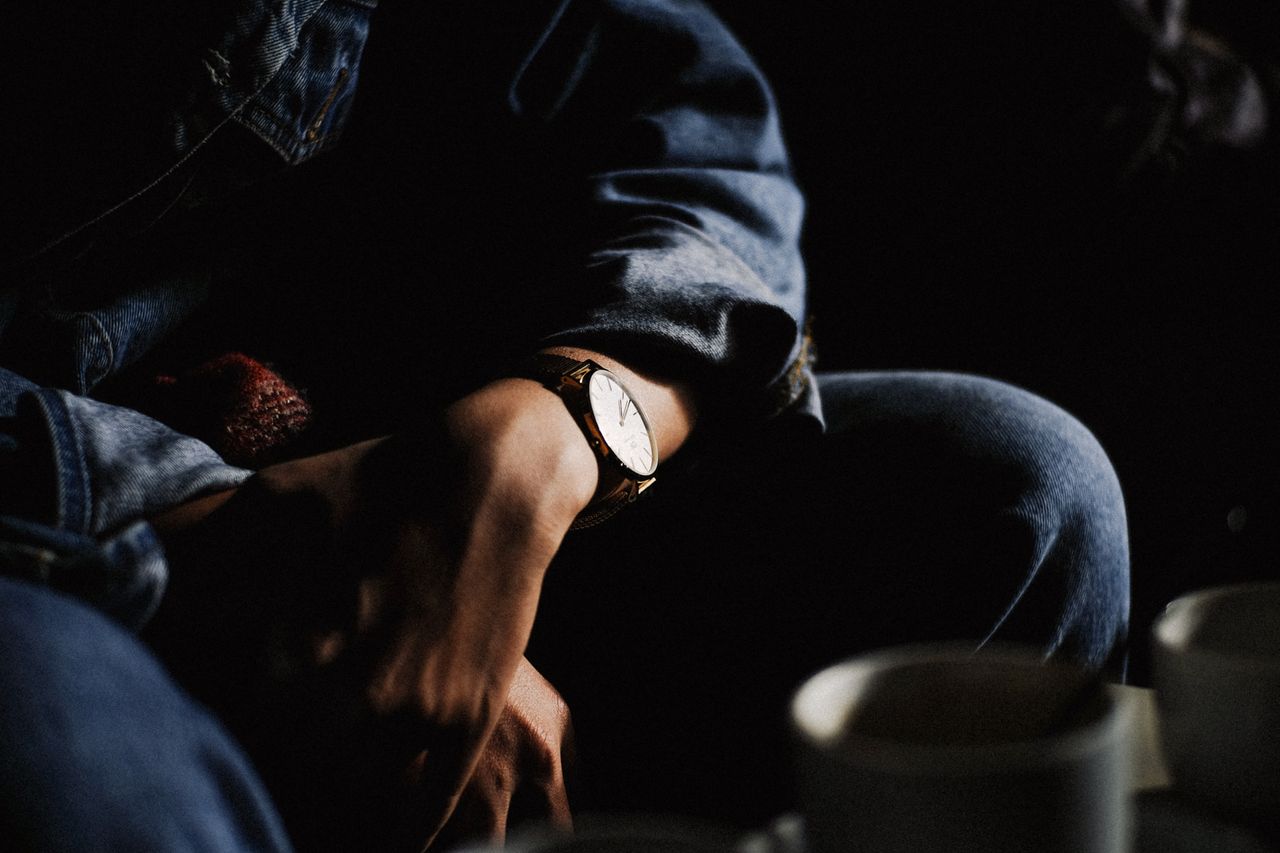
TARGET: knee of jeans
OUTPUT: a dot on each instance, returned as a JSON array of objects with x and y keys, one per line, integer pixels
[
  {"x": 1071, "y": 501},
  {"x": 99, "y": 742}
]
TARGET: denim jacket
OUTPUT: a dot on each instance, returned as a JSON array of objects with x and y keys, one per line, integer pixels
[{"x": 654, "y": 113}]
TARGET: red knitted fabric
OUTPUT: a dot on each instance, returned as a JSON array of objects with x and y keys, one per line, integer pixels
[{"x": 238, "y": 406}]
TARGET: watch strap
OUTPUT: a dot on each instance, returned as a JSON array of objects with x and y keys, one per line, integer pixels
[
  {"x": 607, "y": 506},
  {"x": 550, "y": 369}
]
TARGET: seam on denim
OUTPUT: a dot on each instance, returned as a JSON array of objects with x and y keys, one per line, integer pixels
[
  {"x": 796, "y": 378},
  {"x": 282, "y": 138},
  {"x": 285, "y": 138},
  {"x": 174, "y": 167},
  {"x": 180, "y": 162},
  {"x": 101, "y": 332},
  {"x": 177, "y": 197},
  {"x": 313, "y": 129},
  {"x": 279, "y": 136},
  {"x": 285, "y": 141},
  {"x": 73, "y": 492}
]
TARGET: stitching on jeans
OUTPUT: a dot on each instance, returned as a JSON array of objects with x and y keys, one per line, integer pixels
[
  {"x": 100, "y": 331},
  {"x": 313, "y": 131},
  {"x": 280, "y": 137}
]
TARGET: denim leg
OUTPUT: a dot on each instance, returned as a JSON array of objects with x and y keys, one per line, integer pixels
[
  {"x": 1050, "y": 514},
  {"x": 99, "y": 750},
  {"x": 936, "y": 507}
]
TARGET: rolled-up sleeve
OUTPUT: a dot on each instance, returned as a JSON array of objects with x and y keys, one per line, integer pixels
[
  {"x": 671, "y": 137},
  {"x": 77, "y": 479}
]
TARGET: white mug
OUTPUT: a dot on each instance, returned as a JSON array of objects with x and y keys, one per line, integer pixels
[
  {"x": 935, "y": 748},
  {"x": 1217, "y": 677}
]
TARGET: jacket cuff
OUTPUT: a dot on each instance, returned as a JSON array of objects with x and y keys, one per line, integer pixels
[
  {"x": 113, "y": 465},
  {"x": 107, "y": 467}
]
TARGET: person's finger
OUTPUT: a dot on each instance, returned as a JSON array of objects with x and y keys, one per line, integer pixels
[
  {"x": 483, "y": 809},
  {"x": 561, "y": 815},
  {"x": 558, "y": 811},
  {"x": 444, "y": 771},
  {"x": 544, "y": 729},
  {"x": 545, "y": 801}
]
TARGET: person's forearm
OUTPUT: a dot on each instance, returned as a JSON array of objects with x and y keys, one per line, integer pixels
[{"x": 669, "y": 405}]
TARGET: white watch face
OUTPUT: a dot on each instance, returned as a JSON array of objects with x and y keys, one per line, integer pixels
[{"x": 623, "y": 427}]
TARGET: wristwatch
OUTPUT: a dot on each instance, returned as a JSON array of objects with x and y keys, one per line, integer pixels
[{"x": 617, "y": 430}]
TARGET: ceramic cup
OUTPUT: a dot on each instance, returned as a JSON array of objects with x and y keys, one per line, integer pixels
[
  {"x": 1217, "y": 676},
  {"x": 936, "y": 749}
]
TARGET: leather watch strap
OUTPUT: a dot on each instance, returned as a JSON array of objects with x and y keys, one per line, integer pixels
[{"x": 548, "y": 368}]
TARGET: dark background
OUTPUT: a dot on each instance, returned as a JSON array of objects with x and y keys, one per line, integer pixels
[{"x": 959, "y": 219}]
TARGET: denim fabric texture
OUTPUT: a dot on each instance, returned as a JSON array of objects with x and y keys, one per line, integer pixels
[
  {"x": 74, "y": 334},
  {"x": 126, "y": 465},
  {"x": 699, "y": 231},
  {"x": 289, "y": 71},
  {"x": 102, "y": 750},
  {"x": 103, "y": 469},
  {"x": 123, "y": 576},
  {"x": 651, "y": 169}
]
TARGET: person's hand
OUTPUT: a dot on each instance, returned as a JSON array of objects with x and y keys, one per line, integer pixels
[
  {"x": 359, "y": 617},
  {"x": 388, "y": 588},
  {"x": 521, "y": 774}
]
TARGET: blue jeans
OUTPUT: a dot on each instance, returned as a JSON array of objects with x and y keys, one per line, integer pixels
[
  {"x": 102, "y": 751},
  {"x": 935, "y": 507}
]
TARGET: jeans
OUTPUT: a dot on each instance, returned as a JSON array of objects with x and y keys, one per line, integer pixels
[
  {"x": 102, "y": 751},
  {"x": 935, "y": 507}
]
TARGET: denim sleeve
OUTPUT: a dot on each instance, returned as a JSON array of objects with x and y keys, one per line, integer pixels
[
  {"x": 76, "y": 477},
  {"x": 672, "y": 136}
]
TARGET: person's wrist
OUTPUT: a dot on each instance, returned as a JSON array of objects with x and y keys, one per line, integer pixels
[
  {"x": 668, "y": 404},
  {"x": 525, "y": 449},
  {"x": 180, "y": 518}
]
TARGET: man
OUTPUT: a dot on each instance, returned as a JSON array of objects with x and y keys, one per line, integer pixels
[{"x": 525, "y": 194}]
